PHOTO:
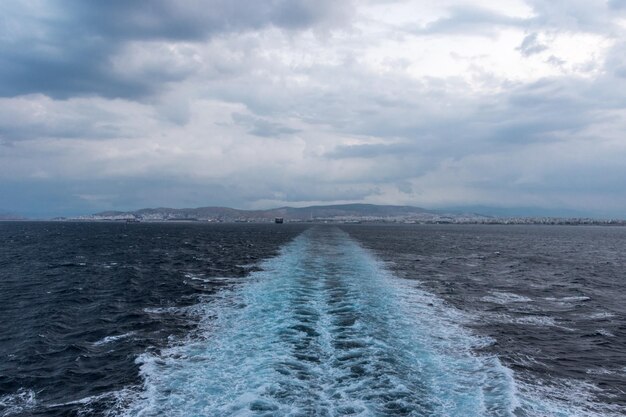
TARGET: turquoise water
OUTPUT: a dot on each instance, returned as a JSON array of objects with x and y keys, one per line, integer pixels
[{"x": 325, "y": 330}]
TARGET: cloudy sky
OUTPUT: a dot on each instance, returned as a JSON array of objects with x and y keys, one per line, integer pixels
[{"x": 260, "y": 103}]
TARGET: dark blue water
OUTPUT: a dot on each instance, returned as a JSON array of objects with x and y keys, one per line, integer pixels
[
  {"x": 79, "y": 302},
  {"x": 268, "y": 320},
  {"x": 550, "y": 297}
]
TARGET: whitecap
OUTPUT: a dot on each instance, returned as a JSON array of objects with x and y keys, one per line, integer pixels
[
  {"x": 114, "y": 338},
  {"x": 22, "y": 401},
  {"x": 192, "y": 310},
  {"x": 505, "y": 298},
  {"x": 600, "y": 371},
  {"x": 605, "y": 333},
  {"x": 535, "y": 320},
  {"x": 530, "y": 320}
]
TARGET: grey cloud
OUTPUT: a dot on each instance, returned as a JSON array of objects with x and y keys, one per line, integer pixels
[
  {"x": 405, "y": 187},
  {"x": 547, "y": 111},
  {"x": 475, "y": 20},
  {"x": 435, "y": 117},
  {"x": 420, "y": 125},
  {"x": 196, "y": 19},
  {"x": 395, "y": 161},
  {"x": 572, "y": 15},
  {"x": 616, "y": 61},
  {"x": 10, "y": 132},
  {"x": 531, "y": 45},
  {"x": 617, "y": 4},
  {"x": 36, "y": 117},
  {"x": 76, "y": 197},
  {"x": 323, "y": 192},
  {"x": 543, "y": 111},
  {"x": 262, "y": 127},
  {"x": 552, "y": 15},
  {"x": 70, "y": 51},
  {"x": 371, "y": 150},
  {"x": 556, "y": 61},
  {"x": 74, "y": 68}
]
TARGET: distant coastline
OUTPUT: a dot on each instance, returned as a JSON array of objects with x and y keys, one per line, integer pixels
[{"x": 340, "y": 213}]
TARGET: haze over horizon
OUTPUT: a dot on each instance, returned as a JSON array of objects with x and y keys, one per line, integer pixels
[{"x": 121, "y": 105}]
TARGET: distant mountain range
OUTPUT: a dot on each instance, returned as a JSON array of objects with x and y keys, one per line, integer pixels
[{"x": 331, "y": 212}]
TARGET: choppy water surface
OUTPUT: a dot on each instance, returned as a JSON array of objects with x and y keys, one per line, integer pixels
[
  {"x": 552, "y": 298},
  {"x": 429, "y": 321},
  {"x": 80, "y": 301}
]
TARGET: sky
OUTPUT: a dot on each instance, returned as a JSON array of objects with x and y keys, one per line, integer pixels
[{"x": 122, "y": 104}]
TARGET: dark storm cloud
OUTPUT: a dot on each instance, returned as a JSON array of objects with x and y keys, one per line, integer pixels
[
  {"x": 65, "y": 47},
  {"x": 75, "y": 67},
  {"x": 196, "y": 19}
]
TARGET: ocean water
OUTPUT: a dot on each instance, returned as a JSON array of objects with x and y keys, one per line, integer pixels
[
  {"x": 550, "y": 297},
  {"x": 290, "y": 320},
  {"x": 79, "y": 302}
]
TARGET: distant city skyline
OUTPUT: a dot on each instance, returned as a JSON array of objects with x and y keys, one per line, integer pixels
[{"x": 512, "y": 105}]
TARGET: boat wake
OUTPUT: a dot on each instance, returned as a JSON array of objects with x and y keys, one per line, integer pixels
[{"x": 326, "y": 330}]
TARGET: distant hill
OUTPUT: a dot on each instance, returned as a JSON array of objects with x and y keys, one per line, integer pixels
[{"x": 339, "y": 211}]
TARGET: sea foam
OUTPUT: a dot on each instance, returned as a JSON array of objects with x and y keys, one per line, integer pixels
[{"x": 326, "y": 330}]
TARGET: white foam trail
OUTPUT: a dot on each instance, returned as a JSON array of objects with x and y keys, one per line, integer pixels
[
  {"x": 325, "y": 330},
  {"x": 22, "y": 401}
]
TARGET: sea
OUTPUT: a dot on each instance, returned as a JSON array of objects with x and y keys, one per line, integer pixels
[{"x": 198, "y": 319}]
